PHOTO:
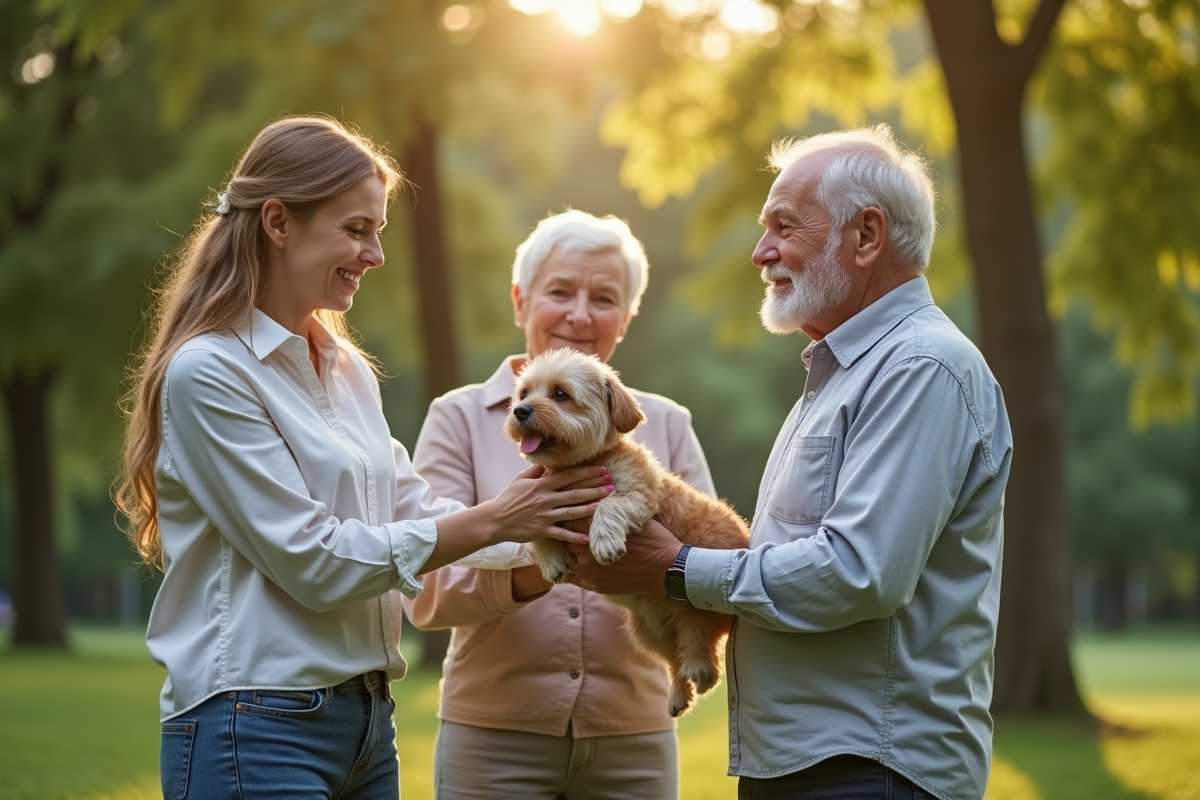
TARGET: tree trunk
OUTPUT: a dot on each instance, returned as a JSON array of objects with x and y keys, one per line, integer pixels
[
  {"x": 986, "y": 80},
  {"x": 439, "y": 341},
  {"x": 38, "y": 589},
  {"x": 38, "y": 592},
  {"x": 1114, "y": 596},
  {"x": 435, "y": 306}
]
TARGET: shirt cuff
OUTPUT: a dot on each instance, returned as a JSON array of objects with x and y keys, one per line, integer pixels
[
  {"x": 412, "y": 545},
  {"x": 496, "y": 588},
  {"x": 708, "y": 577},
  {"x": 505, "y": 555}
]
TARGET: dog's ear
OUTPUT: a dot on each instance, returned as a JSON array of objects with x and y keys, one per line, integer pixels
[{"x": 625, "y": 412}]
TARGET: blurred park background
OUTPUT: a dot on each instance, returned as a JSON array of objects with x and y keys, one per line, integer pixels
[{"x": 1066, "y": 140}]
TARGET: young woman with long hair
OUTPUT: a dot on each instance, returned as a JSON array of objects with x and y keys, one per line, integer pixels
[{"x": 260, "y": 476}]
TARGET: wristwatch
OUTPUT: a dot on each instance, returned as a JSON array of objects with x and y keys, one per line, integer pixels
[{"x": 676, "y": 582}]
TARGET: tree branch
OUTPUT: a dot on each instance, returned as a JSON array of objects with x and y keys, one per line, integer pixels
[{"x": 1030, "y": 50}]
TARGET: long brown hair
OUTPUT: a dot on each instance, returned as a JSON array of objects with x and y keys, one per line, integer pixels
[{"x": 219, "y": 274}]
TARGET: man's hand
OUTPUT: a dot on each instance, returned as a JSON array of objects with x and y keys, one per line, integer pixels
[{"x": 642, "y": 570}]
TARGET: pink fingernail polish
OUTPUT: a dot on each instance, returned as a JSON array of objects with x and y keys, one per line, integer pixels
[{"x": 610, "y": 488}]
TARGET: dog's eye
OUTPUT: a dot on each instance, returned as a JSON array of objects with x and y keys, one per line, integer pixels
[
  {"x": 559, "y": 394},
  {"x": 524, "y": 392}
]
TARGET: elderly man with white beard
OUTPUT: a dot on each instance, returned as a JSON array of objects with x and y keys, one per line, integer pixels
[{"x": 860, "y": 659}]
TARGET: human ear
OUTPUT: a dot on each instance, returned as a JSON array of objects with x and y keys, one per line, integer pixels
[
  {"x": 275, "y": 219},
  {"x": 871, "y": 231},
  {"x": 518, "y": 307}
]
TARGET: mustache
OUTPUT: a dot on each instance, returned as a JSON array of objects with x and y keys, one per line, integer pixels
[{"x": 775, "y": 272}]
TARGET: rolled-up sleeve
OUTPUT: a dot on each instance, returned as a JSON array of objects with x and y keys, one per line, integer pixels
[
  {"x": 907, "y": 454},
  {"x": 225, "y": 451},
  {"x": 458, "y": 595}
]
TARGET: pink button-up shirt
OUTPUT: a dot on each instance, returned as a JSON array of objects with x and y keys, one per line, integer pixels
[{"x": 561, "y": 658}]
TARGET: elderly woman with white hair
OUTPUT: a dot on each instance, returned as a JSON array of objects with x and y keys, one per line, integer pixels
[{"x": 543, "y": 695}]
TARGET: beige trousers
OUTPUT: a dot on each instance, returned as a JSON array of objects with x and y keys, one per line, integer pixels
[{"x": 472, "y": 763}]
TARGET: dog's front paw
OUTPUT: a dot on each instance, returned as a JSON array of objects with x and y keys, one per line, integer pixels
[
  {"x": 606, "y": 537},
  {"x": 606, "y": 548},
  {"x": 551, "y": 559}
]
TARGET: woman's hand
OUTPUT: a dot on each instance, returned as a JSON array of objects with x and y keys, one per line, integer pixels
[
  {"x": 531, "y": 507},
  {"x": 533, "y": 504}
]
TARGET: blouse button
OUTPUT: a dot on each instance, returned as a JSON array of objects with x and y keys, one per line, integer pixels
[
  {"x": 574, "y": 674},
  {"x": 811, "y": 395},
  {"x": 574, "y": 612}
]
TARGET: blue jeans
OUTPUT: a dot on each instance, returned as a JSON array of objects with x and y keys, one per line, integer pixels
[
  {"x": 338, "y": 742},
  {"x": 842, "y": 777}
]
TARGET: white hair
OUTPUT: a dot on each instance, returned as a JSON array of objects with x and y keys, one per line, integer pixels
[
  {"x": 871, "y": 169},
  {"x": 580, "y": 232}
]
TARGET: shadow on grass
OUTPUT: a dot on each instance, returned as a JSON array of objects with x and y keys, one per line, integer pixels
[{"x": 1061, "y": 759}]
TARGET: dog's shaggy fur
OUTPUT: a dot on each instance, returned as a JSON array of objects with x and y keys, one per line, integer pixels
[{"x": 570, "y": 410}]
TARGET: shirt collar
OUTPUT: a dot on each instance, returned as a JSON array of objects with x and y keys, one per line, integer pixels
[
  {"x": 264, "y": 335},
  {"x": 854, "y": 337},
  {"x": 499, "y": 387}
]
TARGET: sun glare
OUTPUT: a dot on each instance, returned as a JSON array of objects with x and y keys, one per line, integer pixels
[
  {"x": 749, "y": 16},
  {"x": 734, "y": 17},
  {"x": 580, "y": 17},
  {"x": 621, "y": 9},
  {"x": 532, "y": 7},
  {"x": 456, "y": 18},
  {"x": 37, "y": 68}
]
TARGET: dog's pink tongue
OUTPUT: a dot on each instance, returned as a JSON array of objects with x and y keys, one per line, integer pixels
[{"x": 530, "y": 443}]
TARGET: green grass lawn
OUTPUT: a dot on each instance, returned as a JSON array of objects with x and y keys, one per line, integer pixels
[{"x": 84, "y": 726}]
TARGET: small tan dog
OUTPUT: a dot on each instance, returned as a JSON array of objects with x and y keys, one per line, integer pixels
[{"x": 570, "y": 410}]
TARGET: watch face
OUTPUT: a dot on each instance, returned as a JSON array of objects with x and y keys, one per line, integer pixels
[{"x": 676, "y": 584}]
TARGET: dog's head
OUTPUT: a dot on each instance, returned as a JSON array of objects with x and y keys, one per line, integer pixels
[{"x": 567, "y": 407}]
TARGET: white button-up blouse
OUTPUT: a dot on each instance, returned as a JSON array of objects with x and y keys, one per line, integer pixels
[{"x": 287, "y": 512}]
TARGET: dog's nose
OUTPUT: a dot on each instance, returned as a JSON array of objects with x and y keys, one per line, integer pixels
[{"x": 522, "y": 412}]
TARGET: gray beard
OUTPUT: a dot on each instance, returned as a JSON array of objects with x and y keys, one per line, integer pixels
[{"x": 822, "y": 285}]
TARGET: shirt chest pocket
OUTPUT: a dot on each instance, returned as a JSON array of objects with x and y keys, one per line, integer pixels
[{"x": 804, "y": 483}]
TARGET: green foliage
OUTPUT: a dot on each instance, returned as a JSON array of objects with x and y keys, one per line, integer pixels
[
  {"x": 1121, "y": 88},
  {"x": 79, "y": 230},
  {"x": 1135, "y": 496},
  {"x": 697, "y": 113},
  {"x": 703, "y": 126}
]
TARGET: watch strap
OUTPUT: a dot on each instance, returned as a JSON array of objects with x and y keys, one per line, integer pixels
[{"x": 676, "y": 575}]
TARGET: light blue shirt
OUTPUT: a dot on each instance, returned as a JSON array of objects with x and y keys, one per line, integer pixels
[
  {"x": 287, "y": 513},
  {"x": 868, "y": 599}
]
